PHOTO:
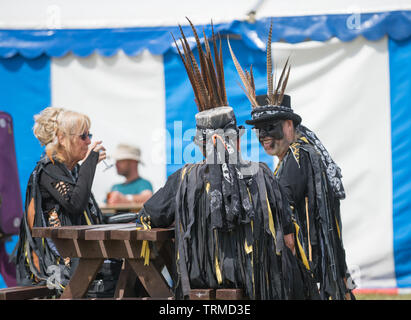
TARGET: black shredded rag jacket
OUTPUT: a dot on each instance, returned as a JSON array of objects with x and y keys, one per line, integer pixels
[
  {"x": 316, "y": 214},
  {"x": 55, "y": 196},
  {"x": 229, "y": 232}
]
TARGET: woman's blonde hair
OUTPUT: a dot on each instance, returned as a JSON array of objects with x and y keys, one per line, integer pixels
[{"x": 52, "y": 122}]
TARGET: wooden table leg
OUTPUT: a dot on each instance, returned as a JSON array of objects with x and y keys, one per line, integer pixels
[
  {"x": 126, "y": 281},
  {"x": 151, "y": 278},
  {"x": 83, "y": 276},
  {"x": 167, "y": 255}
]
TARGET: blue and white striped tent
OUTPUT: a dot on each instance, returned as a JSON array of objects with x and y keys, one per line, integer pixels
[{"x": 350, "y": 81}]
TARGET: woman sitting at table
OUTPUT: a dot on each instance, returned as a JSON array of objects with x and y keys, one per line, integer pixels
[{"x": 58, "y": 194}]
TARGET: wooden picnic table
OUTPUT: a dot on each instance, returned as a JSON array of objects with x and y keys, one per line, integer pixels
[{"x": 93, "y": 244}]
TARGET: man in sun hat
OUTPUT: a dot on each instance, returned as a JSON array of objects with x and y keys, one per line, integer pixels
[{"x": 135, "y": 189}]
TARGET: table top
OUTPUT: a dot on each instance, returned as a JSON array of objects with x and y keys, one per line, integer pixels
[
  {"x": 121, "y": 207},
  {"x": 121, "y": 231}
]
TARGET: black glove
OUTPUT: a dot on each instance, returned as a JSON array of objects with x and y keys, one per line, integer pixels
[{"x": 123, "y": 218}]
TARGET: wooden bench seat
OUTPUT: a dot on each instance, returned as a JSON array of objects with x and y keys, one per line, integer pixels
[{"x": 25, "y": 292}]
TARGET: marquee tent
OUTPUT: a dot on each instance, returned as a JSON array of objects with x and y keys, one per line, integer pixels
[{"x": 350, "y": 81}]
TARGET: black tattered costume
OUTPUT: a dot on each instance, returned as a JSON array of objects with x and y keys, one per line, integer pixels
[
  {"x": 312, "y": 183},
  {"x": 230, "y": 215},
  {"x": 315, "y": 190},
  {"x": 55, "y": 197},
  {"x": 311, "y": 179},
  {"x": 230, "y": 219}
]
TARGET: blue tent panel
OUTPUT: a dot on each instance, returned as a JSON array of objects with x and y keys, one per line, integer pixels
[
  {"x": 25, "y": 91},
  {"x": 181, "y": 108},
  {"x": 83, "y": 42},
  {"x": 400, "y": 87}
]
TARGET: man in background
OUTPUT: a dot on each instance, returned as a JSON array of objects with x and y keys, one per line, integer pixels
[{"x": 135, "y": 189}]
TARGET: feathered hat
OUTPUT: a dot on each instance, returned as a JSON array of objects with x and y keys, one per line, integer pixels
[
  {"x": 207, "y": 81},
  {"x": 275, "y": 105}
]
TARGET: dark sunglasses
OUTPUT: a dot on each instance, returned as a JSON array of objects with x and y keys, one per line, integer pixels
[{"x": 84, "y": 136}]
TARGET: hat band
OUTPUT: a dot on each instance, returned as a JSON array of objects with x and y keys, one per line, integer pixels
[
  {"x": 256, "y": 114},
  {"x": 204, "y": 132},
  {"x": 231, "y": 123}
]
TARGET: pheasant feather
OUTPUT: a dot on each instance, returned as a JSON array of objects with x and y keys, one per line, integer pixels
[
  {"x": 275, "y": 92},
  {"x": 206, "y": 77},
  {"x": 247, "y": 86}
]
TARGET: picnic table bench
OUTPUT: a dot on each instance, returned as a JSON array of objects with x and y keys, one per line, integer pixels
[
  {"x": 25, "y": 292},
  {"x": 93, "y": 244}
]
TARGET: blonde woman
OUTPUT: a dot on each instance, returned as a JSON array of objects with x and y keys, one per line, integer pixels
[{"x": 58, "y": 193}]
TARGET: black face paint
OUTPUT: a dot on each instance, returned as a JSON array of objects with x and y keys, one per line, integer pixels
[{"x": 272, "y": 130}]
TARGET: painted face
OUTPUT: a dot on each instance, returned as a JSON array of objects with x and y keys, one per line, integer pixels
[{"x": 271, "y": 137}]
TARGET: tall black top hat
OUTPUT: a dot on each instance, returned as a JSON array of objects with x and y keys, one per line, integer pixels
[{"x": 275, "y": 105}]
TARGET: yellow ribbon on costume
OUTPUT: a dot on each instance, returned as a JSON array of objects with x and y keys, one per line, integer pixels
[
  {"x": 26, "y": 254},
  {"x": 338, "y": 228},
  {"x": 145, "y": 248},
  {"x": 271, "y": 222},
  {"x": 249, "y": 248},
  {"x": 217, "y": 264},
  {"x": 300, "y": 247},
  {"x": 87, "y": 219},
  {"x": 183, "y": 172}
]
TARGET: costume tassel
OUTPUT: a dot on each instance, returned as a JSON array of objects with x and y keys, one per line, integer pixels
[{"x": 145, "y": 247}]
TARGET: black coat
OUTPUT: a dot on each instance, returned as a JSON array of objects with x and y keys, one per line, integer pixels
[
  {"x": 316, "y": 212},
  {"x": 229, "y": 231},
  {"x": 54, "y": 197}
]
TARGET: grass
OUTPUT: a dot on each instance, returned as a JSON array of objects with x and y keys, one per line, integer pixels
[{"x": 380, "y": 296}]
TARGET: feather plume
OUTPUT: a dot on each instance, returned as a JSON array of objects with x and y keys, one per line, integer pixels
[
  {"x": 206, "y": 77},
  {"x": 200, "y": 52},
  {"x": 218, "y": 60},
  {"x": 211, "y": 74},
  {"x": 275, "y": 92},
  {"x": 247, "y": 86},
  {"x": 221, "y": 76},
  {"x": 199, "y": 83},
  {"x": 190, "y": 75},
  {"x": 279, "y": 85},
  {"x": 252, "y": 78},
  {"x": 269, "y": 66},
  {"x": 198, "y": 75},
  {"x": 284, "y": 85}
]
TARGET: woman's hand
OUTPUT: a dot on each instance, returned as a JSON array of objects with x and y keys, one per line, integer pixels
[{"x": 97, "y": 147}]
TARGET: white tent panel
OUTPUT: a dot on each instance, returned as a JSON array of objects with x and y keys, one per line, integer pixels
[
  {"x": 43, "y": 14},
  {"x": 125, "y": 100}
]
